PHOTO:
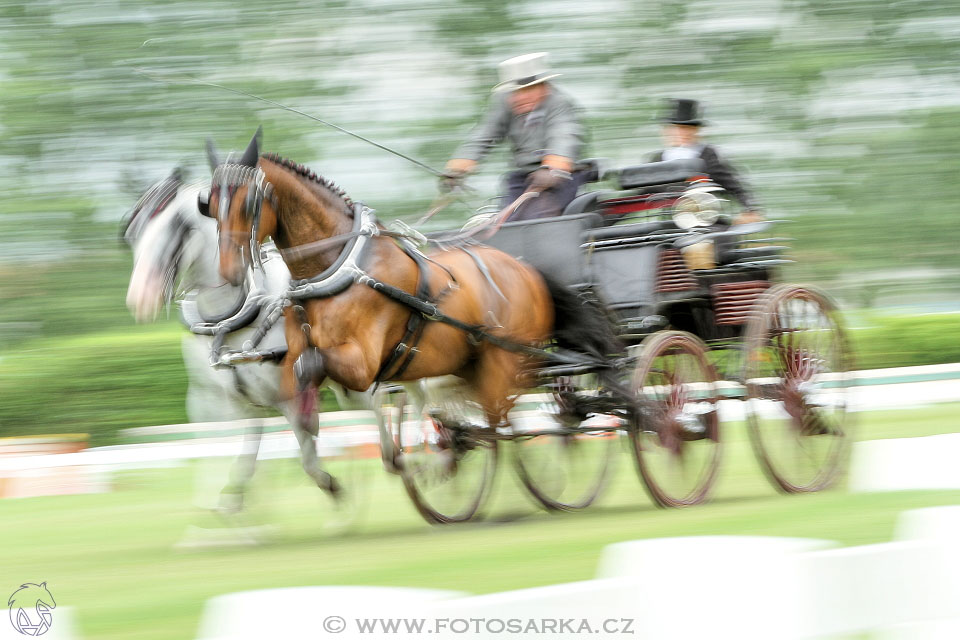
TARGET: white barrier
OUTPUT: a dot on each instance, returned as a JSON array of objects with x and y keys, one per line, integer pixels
[
  {"x": 902, "y": 464},
  {"x": 938, "y": 529},
  {"x": 715, "y": 586},
  {"x": 597, "y": 609},
  {"x": 935, "y": 524},
  {"x": 308, "y": 612},
  {"x": 873, "y": 587}
]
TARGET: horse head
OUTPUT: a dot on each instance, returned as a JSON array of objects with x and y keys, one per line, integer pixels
[
  {"x": 241, "y": 203},
  {"x": 171, "y": 243}
]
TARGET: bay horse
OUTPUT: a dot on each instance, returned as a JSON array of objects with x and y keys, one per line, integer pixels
[
  {"x": 175, "y": 248},
  {"x": 354, "y": 315}
]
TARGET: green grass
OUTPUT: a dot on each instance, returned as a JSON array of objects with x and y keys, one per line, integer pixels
[{"x": 110, "y": 555}]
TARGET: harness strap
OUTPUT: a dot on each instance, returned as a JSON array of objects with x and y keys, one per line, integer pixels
[
  {"x": 429, "y": 311},
  {"x": 402, "y": 355},
  {"x": 482, "y": 267}
]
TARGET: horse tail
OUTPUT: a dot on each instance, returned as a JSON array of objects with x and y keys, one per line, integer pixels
[{"x": 580, "y": 323}]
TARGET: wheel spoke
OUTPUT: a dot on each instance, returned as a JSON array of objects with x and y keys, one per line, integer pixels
[
  {"x": 562, "y": 466},
  {"x": 798, "y": 431},
  {"x": 677, "y": 442},
  {"x": 445, "y": 469}
]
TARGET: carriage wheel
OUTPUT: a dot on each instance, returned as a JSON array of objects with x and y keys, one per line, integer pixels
[
  {"x": 676, "y": 440},
  {"x": 564, "y": 449},
  {"x": 797, "y": 377},
  {"x": 448, "y": 456}
]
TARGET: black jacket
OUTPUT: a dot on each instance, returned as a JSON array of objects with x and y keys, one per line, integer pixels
[{"x": 723, "y": 173}]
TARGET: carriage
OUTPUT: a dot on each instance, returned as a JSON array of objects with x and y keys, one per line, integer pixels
[{"x": 712, "y": 343}]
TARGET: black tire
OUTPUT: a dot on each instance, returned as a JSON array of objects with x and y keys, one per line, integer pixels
[
  {"x": 563, "y": 462},
  {"x": 796, "y": 371},
  {"x": 446, "y": 464},
  {"x": 676, "y": 440}
]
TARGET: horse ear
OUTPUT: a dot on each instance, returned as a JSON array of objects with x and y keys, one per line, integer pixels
[
  {"x": 252, "y": 153},
  {"x": 212, "y": 154},
  {"x": 203, "y": 203},
  {"x": 177, "y": 174}
]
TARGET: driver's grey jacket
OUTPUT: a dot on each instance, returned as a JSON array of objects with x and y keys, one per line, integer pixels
[{"x": 554, "y": 128}]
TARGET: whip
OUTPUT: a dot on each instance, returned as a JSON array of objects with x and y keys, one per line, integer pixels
[{"x": 274, "y": 103}]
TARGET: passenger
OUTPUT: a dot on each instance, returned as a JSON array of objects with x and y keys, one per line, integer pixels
[
  {"x": 681, "y": 132},
  {"x": 545, "y": 131}
]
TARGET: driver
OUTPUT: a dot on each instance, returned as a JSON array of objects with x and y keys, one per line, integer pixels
[
  {"x": 545, "y": 131},
  {"x": 681, "y": 132}
]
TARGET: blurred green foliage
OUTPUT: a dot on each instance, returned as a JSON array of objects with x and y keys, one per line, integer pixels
[
  {"x": 97, "y": 383},
  {"x": 905, "y": 341},
  {"x": 101, "y": 383}
]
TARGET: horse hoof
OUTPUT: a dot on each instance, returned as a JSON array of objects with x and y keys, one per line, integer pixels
[
  {"x": 393, "y": 463},
  {"x": 308, "y": 368},
  {"x": 334, "y": 489},
  {"x": 230, "y": 503}
]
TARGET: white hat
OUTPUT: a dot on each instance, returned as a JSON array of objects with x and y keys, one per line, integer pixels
[{"x": 524, "y": 71}]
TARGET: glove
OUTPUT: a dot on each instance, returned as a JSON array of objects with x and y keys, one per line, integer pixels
[
  {"x": 546, "y": 178},
  {"x": 454, "y": 173},
  {"x": 451, "y": 180}
]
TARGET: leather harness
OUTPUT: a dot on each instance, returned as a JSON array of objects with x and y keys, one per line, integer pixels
[{"x": 346, "y": 271}]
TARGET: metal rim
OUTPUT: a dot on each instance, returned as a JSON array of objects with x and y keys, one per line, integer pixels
[
  {"x": 797, "y": 373},
  {"x": 447, "y": 471}
]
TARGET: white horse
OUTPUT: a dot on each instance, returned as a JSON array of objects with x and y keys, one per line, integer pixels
[{"x": 175, "y": 250}]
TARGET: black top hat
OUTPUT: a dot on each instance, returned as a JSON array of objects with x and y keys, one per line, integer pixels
[{"x": 683, "y": 111}]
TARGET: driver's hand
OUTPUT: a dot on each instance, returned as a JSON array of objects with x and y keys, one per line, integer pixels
[
  {"x": 455, "y": 172},
  {"x": 451, "y": 181},
  {"x": 749, "y": 216},
  {"x": 546, "y": 178}
]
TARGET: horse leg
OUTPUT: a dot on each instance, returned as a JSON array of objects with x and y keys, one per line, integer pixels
[
  {"x": 495, "y": 380},
  {"x": 390, "y": 451},
  {"x": 308, "y": 369},
  {"x": 367, "y": 401},
  {"x": 306, "y": 424},
  {"x": 241, "y": 472}
]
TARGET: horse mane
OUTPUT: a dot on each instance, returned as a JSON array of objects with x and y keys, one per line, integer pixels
[{"x": 312, "y": 176}]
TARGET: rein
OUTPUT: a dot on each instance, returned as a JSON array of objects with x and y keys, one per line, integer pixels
[
  {"x": 311, "y": 248},
  {"x": 479, "y": 233}
]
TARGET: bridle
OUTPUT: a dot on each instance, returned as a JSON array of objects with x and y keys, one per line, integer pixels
[
  {"x": 173, "y": 253},
  {"x": 154, "y": 200},
  {"x": 230, "y": 177}
]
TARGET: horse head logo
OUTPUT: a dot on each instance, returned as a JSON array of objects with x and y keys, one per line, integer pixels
[{"x": 30, "y": 608}]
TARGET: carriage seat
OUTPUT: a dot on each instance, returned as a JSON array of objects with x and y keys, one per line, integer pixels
[{"x": 655, "y": 173}]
